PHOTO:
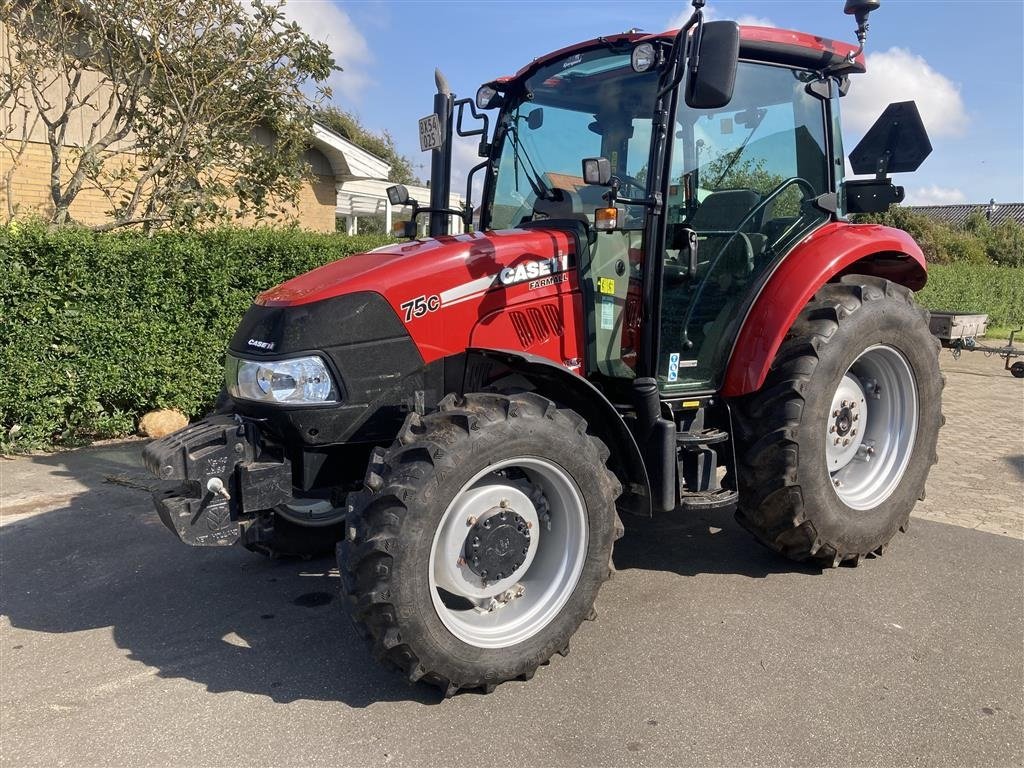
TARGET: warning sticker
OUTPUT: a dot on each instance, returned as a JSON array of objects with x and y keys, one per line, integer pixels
[
  {"x": 606, "y": 285},
  {"x": 607, "y": 313},
  {"x": 673, "y": 367}
]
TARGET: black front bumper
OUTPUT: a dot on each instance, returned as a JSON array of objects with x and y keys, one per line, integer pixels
[{"x": 218, "y": 476}]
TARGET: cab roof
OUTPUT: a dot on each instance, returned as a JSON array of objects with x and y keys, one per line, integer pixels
[{"x": 778, "y": 46}]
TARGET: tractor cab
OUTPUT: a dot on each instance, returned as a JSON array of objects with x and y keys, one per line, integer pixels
[
  {"x": 739, "y": 187},
  {"x": 707, "y": 198},
  {"x": 714, "y": 150}
]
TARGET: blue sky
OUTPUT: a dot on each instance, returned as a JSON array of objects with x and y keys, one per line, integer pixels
[{"x": 961, "y": 60}]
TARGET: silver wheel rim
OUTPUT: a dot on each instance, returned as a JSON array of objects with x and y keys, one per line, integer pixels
[
  {"x": 871, "y": 427},
  {"x": 497, "y": 613},
  {"x": 311, "y": 513}
]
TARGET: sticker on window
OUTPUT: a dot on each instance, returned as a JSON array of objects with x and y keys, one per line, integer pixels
[
  {"x": 607, "y": 313},
  {"x": 606, "y": 285},
  {"x": 673, "y": 367}
]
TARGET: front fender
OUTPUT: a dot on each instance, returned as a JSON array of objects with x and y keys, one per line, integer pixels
[
  {"x": 575, "y": 392},
  {"x": 830, "y": 252}
]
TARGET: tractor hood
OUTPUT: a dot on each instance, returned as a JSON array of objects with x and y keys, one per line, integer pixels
[{"x": 440, "y": 288}]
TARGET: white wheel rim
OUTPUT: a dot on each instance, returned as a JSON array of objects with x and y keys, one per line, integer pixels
[
  {"x": 871, "y": 427},
  {"x": 487, "y": 613}
]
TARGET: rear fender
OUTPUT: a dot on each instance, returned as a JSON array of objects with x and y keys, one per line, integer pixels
[
  {"x": 568, "y": 389},
  {"x": 834, "y": 250}
]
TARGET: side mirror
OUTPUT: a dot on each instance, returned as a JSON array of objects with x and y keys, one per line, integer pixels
[
  {"x": 711, "y": 83},
  {"x": 398, "y": 195},
  {"x": 597, "y": 171},
  {"x": 535, "y": 119}
]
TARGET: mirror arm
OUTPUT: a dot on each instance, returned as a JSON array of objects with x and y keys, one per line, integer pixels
[
  {"x": 612, "y": 197},
  {"x": 461, "y": 104},
  {"x": 467, "y": 217},
  {"x": 679, "y": 48}
]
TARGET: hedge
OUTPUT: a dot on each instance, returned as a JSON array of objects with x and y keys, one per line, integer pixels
[
  {"x": 95, "y": 330},
  {"x": 977, "y": 288}
]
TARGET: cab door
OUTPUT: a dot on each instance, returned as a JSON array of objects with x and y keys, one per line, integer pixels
[{"x": 745, "y": 178}]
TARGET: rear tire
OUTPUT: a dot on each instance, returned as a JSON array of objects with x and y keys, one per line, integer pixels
[
  {"x": 804, "y": 492},
  {"x": 405, "y": 578}
]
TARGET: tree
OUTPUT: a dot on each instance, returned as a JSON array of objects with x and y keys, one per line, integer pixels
[
  {"x": 177, "y": 99},
  {"x": 732, "y": 171},
  {"x": 383, "y": 146}
]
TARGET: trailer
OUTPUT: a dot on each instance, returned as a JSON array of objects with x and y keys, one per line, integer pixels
[{"x": 958, "y": 332}]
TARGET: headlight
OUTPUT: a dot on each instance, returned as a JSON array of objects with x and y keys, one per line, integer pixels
[
  {"x": 644, "y": 57},
  {"x": 301, "y": 380},
  {"x": 487, "y": 98}
]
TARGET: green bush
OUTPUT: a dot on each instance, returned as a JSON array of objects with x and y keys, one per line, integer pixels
[
  {"x": 977, "y": 241},
  {"x": 977, "y": 288},
  {"x": 96, "y": 329}
]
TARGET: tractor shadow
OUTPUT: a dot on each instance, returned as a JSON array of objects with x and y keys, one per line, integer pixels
[
  {"x": 234, "y": 621},
  {"x": 225, "y": 618},
  {"x": 692, "y": 543}
]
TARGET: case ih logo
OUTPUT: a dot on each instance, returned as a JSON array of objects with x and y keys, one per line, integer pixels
[
  {"x": 265, "y": 345},
  {"x": 531, "y": 270}
]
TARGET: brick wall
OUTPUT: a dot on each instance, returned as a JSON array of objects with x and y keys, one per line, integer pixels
[{"x": 30, "y": 192}]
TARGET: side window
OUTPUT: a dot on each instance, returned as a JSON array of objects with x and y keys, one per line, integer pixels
[
  {"x": 744, "y": 178},
  {"x": 615, "y": 272}
]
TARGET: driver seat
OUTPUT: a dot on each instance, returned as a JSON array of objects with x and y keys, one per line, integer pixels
[{"x": 725, "y": 210}]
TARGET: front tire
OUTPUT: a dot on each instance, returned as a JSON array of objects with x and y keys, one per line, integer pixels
[
  {"x": 481, "y": 540},
  {"x": 835, "y": 448}
]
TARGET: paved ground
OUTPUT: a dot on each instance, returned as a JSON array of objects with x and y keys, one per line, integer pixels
[
  {"x": 119, "y": 646},
  {"x": 980, "y": 475}
]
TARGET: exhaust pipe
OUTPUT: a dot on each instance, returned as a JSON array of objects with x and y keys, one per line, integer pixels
[{"x": 441, "y": 158}]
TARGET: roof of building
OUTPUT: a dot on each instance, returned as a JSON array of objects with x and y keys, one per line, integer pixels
[
  {"x": 957, "y": 215},
  {"x": 348, "y": 160}
]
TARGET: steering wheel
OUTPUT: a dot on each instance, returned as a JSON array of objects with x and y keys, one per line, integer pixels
[
  {"x": 771, "y": 196},
  {"x": 635, "y": 183},
  {"x": 737, "y": 232}
]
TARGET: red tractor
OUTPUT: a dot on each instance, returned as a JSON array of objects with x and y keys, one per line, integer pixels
[{"x": 665, "y": 309}]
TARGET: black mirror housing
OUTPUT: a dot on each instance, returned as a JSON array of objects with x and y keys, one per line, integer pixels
[
  {"x": 398, "y": 194},
  {"x": 597, "y": 171},
  {"x": 711, "y": 84}
]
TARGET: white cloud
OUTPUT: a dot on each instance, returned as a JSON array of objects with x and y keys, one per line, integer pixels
[
  {"x": 935, "y": 195},
  {"x": 712, "y": 13},
  {"x": 748, "y": 20},
  {"x": 324, "y": 21},
  {"x": 900, "y": 75}
]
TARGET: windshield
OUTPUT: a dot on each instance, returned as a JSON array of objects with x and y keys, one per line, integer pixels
[{"x": 587, "y": 105}]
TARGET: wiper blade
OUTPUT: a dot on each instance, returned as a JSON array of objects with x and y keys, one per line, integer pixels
[
  {"x": 759, "y": 116},
  {"x": 536, "y": 181}
]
